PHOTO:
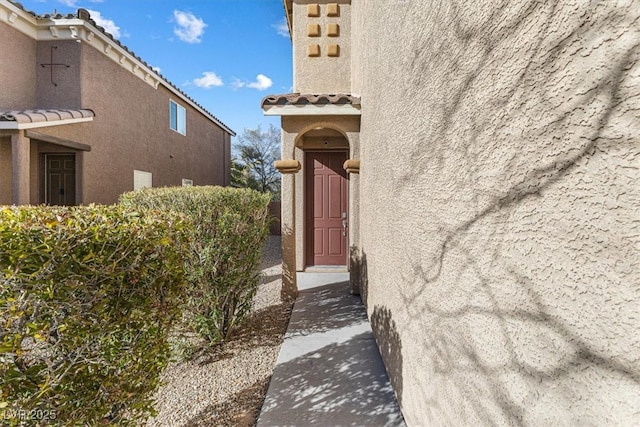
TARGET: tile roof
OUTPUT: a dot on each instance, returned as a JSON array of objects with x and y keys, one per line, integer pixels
[
  {"x": 39, "y": 116},
  {"x": 86, "y": 16},
  {"x": 310, "y": 99}
]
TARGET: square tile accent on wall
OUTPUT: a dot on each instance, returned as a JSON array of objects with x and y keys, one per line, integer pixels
[
  {"x": 333, "y": 30},
  {"x": 313, "y": 30},
  {"x": 313, "y": 10},
  {"x": 313, "y": 50},
  {"x": 333, "y": 50},
  {"x": 333, "y": 9}
]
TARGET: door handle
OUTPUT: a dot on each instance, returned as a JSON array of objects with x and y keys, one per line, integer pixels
[{"x": 344, "y": 223}]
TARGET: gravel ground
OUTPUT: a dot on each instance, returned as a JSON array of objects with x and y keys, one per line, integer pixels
[{"x": 226, "y": 385}]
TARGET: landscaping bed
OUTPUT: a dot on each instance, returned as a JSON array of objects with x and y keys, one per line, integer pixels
[{"x": 225, "y": 385}]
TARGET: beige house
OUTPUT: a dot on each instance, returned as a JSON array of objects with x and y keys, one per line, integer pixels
[
  {"x": 83, "y": 119},
  {"x": 476, "y": 167}
]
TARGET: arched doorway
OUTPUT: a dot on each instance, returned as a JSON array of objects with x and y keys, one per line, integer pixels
[
  {"x": 326, "y": 197},
  {"x": 327, "y": 208}
]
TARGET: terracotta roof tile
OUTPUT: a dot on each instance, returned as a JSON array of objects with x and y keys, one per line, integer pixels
[
  {"x": 38, "y": 116},
  {"x": 310, "y": 99}
]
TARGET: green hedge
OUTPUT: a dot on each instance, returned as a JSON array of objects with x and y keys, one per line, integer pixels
[
  {"x": 87, "y": 298},
  {"x": 228, "y": 227}
]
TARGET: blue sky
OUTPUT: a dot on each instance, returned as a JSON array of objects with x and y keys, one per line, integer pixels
[{"x": 225, "y": 54}]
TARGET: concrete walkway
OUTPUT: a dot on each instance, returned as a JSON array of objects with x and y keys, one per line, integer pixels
[{"x": 329, "y": 371}]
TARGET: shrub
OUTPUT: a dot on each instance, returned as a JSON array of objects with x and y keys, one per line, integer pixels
[
  {"x": 228, "y": 229},
  {"x": 87, "y": 298}
]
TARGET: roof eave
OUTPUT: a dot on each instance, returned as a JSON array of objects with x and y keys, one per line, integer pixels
[
  {"x": 288, "y": 12},
  {"x": 312, "y": 110},
  {"x": 15, "y": 125}
]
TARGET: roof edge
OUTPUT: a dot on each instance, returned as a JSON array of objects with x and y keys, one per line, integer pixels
[
  {"x": 297, "y": 104},
  {"x": 82, "y": 28}
]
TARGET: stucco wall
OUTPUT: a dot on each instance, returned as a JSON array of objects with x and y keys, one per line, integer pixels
[
  {"x": 58, "y": 86},
  {"x": 131, "y": 131},
  {"x": 500, "y": 228},
  {"x": 18, "y": 70},
  {"x": 5, "y": 170},
  {"x": 322, "y": 74}
]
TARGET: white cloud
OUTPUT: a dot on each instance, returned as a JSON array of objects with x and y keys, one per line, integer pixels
[
  {"x": 262, "y": 83},
  {"x": 157, "y": 69},
  {"x": 70, "y": 3},
  {"x": 190, "y": 28},
  {"x": 208, "y": 80},
  {"x": 282, "y": 27},
  {"x": 108, "y": 25}
]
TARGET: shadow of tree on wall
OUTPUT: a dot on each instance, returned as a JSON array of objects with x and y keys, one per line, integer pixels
[
  {"x": 358, "y": 273},
  {"x": 526, "y": 346},
  {"x": 384, "y": 327},
  {"x": 390, "y": 346},
  {"x": 288, "y": 292},
  {"x": 500, "y": 341},
  {"x": 334, "y": 374}
]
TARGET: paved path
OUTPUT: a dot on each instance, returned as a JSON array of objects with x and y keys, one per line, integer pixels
[{"x": 329, "y": 371}]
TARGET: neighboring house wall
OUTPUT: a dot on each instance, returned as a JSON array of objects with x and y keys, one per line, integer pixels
[
  {"x": 131, "y": 130},
  {"x": 5, "y": 170},
  {"x": 18, "y": 71},
  {"x": 59, "y": 86},
  {"x": 500, "y": 221}
]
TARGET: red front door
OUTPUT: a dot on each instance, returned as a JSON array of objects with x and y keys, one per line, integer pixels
[{"x": 327, "y": 203}]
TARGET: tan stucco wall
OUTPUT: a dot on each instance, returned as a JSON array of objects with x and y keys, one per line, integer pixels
[
  {"x": 500, "y": 229},
  {"x": 131, "y": 131},
  {"x": 5, "y": 170},
  {"x": 18, "y": 70},
  {"x": 67, "y": 90},
  {"x": 321, "y": 74}
]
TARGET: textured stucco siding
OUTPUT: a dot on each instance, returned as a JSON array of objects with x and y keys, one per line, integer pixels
[
  {"x": 5, "y": 170},
  {"x": 131, "y": 131},
  {"x": 60, "y": 87},
  {"x": 18, "y": 70},
  {"x": 321, "y": 74},
  {"x": 500, "y": 207}
]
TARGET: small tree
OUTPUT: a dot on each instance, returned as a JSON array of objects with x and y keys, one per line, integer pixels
[{"x": 253, "y": 163}]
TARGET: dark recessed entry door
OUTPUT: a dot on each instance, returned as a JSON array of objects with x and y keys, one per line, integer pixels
[
  {"x": 60, "y": 179},
  {"x": 327, "y": 203}
]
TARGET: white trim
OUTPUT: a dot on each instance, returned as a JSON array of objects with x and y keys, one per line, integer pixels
[
  {"x": 311, "y": 110},
  {"x": 29, "y": 125},
  {"x": 18, "y": 19},
  {"x": 179, "y": 108}
]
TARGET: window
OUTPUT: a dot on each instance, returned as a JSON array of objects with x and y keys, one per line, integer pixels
[
  {"x": 142, "y": 179},
  {"x": 177, "y": 118}
]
